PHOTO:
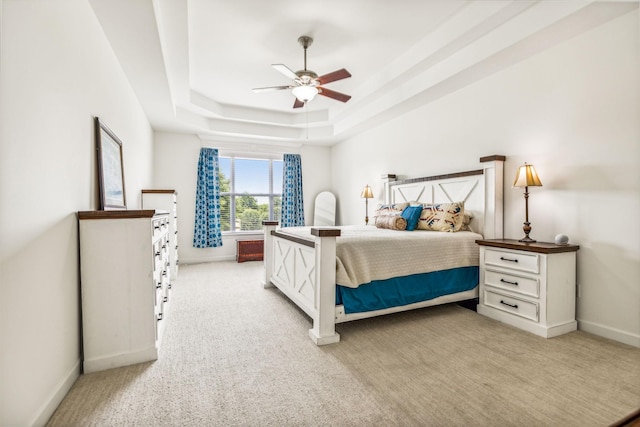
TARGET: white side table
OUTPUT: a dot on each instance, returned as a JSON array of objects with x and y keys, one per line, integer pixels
[{"x": 531, "y": 286}]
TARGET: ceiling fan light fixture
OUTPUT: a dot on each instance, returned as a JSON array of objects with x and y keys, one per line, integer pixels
[{"x": 305, "y": 93}]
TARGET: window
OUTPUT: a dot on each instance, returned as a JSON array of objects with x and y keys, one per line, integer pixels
[{"x": 250, "y": 192}]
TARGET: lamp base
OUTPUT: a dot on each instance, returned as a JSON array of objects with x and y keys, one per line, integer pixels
[{"x": 527, "y": 230}]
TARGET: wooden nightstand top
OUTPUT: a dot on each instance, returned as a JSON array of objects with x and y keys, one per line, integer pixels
[{"x": 539, "y": 247}]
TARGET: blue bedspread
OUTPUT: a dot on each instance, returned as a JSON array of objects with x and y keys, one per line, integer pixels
[{"x": 399, "y": 291}]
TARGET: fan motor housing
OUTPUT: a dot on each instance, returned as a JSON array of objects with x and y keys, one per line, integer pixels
[{"x": 306, "y": 76}]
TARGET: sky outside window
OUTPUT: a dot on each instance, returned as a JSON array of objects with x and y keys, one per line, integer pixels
[{"x": 252, "y": 175}]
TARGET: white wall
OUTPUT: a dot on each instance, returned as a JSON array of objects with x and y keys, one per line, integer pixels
[
  {"x": 573, "y": 111},
  {"x": 176, "y": 161},
  {"x": 57, "y": 72}
]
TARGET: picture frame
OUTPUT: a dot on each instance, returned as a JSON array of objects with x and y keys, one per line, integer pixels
[{"x": 110, "y": 168}]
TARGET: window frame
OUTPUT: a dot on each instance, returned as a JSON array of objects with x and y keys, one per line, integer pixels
[{"x": 233, "y": 194}]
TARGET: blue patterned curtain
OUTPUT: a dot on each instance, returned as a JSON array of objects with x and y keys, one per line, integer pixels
[
  {"x": 292, "y": 205},
  {"x": 207, "y": 233}
]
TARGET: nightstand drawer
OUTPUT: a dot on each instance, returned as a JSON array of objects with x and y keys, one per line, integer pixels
[
  {"x": 513, "y": 260},
  {"x": 523, "y": 285},
  {"x": 526, "y": 309}
]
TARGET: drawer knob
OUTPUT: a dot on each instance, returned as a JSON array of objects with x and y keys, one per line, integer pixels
[
  {"x": 508, "y": 282},
  {"x": 509, "y": 305},
  {"x": 508, "y": 259}
]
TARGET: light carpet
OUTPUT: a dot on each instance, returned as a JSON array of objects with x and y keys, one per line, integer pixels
[{"x": 235, "y": 354}]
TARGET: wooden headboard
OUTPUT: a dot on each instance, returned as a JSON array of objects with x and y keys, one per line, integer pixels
[{"x": 481, "y": 190}]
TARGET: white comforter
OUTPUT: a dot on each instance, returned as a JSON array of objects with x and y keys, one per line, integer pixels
[{"x": 366, "y": 253}]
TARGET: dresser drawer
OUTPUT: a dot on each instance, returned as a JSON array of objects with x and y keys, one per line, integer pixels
[
  {"x": 528, "y": 262},
  {"x": 517, "y": 306},
  {"x": 523, "y": 285}
]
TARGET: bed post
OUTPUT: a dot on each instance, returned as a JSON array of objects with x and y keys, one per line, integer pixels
[
  {"x": 268, "y": 226},
  {"x": 493, "y": 196},
  {"x": 324, "y": 322}
]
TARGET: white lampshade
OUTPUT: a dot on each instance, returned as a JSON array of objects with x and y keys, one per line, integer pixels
[
  {"x": 367, "y": 193},
  {"x": 527, "y": 177},
  {"x": 305, "y": 93}
]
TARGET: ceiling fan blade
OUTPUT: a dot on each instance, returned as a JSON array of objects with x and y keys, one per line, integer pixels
[
  {"x": 333, "y": 94},
  {"x": 270, "y": 89},
  {"x": 285, "y": 70},
  {"x": 298, "y": 103},
  {"x": 332, "y": 77}
]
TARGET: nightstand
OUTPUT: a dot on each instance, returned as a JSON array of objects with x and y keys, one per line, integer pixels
[{"x": 531, "y": 286}]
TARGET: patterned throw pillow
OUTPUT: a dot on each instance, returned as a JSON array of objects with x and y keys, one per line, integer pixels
[
  {"x": 442, "y": 217},
  {"x": 395, "y": 208},
  {"x": 389, "y": 210}
]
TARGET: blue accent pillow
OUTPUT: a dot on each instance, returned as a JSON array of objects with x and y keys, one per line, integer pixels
[{"x": 412, "y": 215}]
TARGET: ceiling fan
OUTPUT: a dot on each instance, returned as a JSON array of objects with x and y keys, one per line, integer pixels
[{"x": 306, "y": 83}]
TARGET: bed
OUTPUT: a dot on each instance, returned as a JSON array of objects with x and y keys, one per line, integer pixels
[{"x": 339, "y": 274}]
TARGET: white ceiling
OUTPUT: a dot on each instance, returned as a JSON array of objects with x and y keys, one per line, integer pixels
[{"x": 193, "y": 63}]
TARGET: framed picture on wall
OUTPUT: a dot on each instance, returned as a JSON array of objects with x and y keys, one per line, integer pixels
[{"x": 110, "y": 168}]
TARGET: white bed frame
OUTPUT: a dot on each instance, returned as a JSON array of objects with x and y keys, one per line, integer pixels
[{"x": 305, "y": 270}]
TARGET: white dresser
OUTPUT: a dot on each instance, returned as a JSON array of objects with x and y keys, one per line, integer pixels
[
  {"x": 531, "y": 286},
  {"x": 166, "y": 200},
  {"x": 124, "y": 280}
]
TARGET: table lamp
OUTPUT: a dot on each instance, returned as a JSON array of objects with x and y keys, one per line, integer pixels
[
  {"x": 366, "y": 194},
  {"x": 527, "y": 177}
]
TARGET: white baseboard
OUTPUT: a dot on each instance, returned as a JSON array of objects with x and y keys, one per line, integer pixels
[
  {"x": 201, "y": 260},
  {"x": 610, "y": 333},
  {"x": 51, "y": 404}
]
